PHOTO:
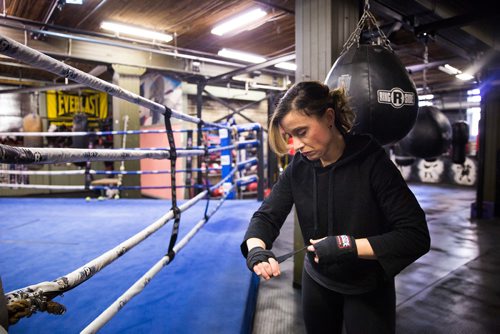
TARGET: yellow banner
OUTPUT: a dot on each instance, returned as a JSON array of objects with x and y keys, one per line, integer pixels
[{"x": 64, "y": 105}]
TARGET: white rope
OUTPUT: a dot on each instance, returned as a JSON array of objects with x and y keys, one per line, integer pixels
[
  {"x": 33, "y": 57},
  {"x": 36, "y": 155},
  {"x": 42, "y": 186},
  {"x": 142, "y": 282}
]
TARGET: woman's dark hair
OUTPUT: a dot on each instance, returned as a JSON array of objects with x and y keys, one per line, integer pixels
[{"x": 313, "y": 99}]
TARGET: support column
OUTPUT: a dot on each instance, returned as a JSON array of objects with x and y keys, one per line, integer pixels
[
  {"x": 128, "y": 78},
  {"x": 321, "y": 29},
  {"x": 488, "y": 190}
]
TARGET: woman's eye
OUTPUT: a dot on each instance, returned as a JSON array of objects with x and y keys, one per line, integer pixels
[{"x": 301, "y": 133}]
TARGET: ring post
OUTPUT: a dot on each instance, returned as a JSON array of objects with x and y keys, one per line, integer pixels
[{"x": 225, "y": 160}]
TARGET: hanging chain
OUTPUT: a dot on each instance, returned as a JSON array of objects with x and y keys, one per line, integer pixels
[{"x": 368, "y": 20}]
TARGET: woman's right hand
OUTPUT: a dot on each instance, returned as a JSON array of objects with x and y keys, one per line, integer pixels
[
  {"x": 267, "y": 270},
  {"x": 261, "y": 261}
]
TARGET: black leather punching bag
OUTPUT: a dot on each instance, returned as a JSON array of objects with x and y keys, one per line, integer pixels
[
  {"x": 381, "y": 93},
  {"x": 460, "y": 138},
  {"x": 431, "y": 135}
]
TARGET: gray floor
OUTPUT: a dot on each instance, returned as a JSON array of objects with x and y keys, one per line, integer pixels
[{"x": 452, "y": 289}]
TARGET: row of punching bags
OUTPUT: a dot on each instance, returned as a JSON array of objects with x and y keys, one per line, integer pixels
[{"x": 384, "y": 98}]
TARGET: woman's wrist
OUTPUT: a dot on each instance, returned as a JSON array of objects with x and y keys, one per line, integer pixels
[
  {"x": 255, "y": 242},
  {"x": 365, "y": 250}
]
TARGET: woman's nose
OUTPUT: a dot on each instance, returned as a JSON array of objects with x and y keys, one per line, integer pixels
[{"x": 297, "y": 144}]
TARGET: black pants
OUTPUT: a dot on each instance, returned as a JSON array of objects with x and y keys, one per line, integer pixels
[{"x": 325, "y": 311}]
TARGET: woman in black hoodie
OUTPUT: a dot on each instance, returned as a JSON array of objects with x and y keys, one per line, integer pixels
[{"x": 362, "y": 223}]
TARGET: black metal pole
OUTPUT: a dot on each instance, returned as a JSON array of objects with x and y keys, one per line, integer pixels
[
  {"x": 260, "y": 166},
  {"x": 199, "y": 110}
]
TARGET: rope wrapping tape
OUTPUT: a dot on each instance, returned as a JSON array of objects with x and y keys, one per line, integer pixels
[
  {"x": 30, "y": 56},
  {"x": 173, "y": 159}
]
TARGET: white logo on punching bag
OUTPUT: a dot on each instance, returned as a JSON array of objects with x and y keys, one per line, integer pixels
[{"x": 396, "y": 97}]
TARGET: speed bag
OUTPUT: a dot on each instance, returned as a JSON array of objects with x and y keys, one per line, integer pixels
[
  {"x": 381, "y": 93},
  {"x": 431, "y": 135}
]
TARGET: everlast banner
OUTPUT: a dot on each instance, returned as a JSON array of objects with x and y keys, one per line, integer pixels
[{"x": 61, "y": 106}]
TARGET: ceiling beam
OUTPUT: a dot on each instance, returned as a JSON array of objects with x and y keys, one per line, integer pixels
[
  {"x": 452, "y": 22},
  {"x": 252, "y": 68}
]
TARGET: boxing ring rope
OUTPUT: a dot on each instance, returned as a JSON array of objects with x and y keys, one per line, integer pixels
[
  {"x": 92, "y": 133},
  {"x": 240, "y": 166},
  {"x": 38, "y": 297},
  {"x": 142, "y": 282},
  {"x": 30, "y": 56},
  {"x": 43, "y": 155}
]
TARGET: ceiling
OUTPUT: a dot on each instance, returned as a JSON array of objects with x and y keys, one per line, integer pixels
[{"x": 461, "y": 33}]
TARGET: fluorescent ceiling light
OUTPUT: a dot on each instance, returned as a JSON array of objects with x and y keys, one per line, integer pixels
[
  {"x": 425, "y": 103},
  {"x": 425, "y": 97},
  {"x": 248, "y": 57},
  {"x": 476, "y": 91},
  {"x": 135, "y": 31},
  {"x": 75, "y": 2},
  {"x": 464, "y": 76},
  {"x": 449, "y": 69},
  {"x": 474, "y": 98},
  {"x": 287, "y": 66},
  {"x": 241, "y": 22}
]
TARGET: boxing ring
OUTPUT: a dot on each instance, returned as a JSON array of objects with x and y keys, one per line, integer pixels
[{"x": 67, "y": 244}]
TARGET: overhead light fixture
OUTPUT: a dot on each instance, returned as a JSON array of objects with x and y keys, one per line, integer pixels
[
  {"x": 248, "y": 57},
  {"x": 474, "y": 98},
  {"x": 464, "y": 76},
  {"x": 136, "y": 31},
  {"x": 476, "y": 91},
  {"x": 425, "y": 103},
  {"x": 426, "y": 97},
  {"x": 74, "y": 2},
  {"x": 456, "y": 72},
  {"x": 449, "y": 69},
  {"x": 245, "y": 21},
  {"x": 287, "y": 66}
]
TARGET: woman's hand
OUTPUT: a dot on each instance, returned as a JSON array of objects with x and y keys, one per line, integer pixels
[
  {"x": 311, "y": 248},
  {"x": 267, "y": 270},
  {"x": 333, "y": 249}
]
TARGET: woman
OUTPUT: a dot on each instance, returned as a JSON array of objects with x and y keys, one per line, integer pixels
[{"x": 362, "y": 223}]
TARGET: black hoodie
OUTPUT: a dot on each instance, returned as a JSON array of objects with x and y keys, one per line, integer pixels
[{"x": 366, "y": 197}]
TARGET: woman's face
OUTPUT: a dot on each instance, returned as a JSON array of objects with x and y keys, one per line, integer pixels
[{"x": 312, "y": 136}]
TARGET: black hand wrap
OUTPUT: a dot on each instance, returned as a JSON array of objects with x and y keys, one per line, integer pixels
[
  {"x": 339, "y": 248},
  {"x": 257, "y": 255}
]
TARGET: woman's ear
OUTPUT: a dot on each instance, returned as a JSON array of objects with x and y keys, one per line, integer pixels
[{"x": 330, "y": 117}]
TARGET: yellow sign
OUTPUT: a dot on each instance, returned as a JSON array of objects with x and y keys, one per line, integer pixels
[{"x": 64, "y": 105}]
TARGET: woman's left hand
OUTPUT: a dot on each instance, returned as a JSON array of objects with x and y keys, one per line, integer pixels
[
  {"x": 332, "y": 249},
  {"x": 311, "y": 248}
]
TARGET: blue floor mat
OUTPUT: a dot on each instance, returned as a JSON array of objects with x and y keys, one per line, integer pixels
[{"x": 206, "y": 289}]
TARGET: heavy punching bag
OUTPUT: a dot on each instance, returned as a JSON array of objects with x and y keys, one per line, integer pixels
[
  {"x": 431, "y": 135},
  {"x": 460, "y": 138},
  {"x": 381, "y": 93}
]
